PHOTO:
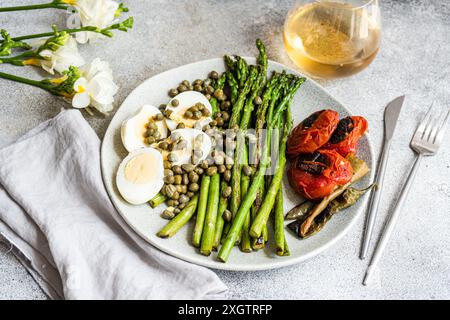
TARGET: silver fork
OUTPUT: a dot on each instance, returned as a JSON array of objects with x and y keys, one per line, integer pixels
[{"x": 425, "y": 142}]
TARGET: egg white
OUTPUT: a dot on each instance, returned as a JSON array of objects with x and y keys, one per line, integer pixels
[
  {"x": 139, "y": 193},
  {"x": 186, "y": 100},
  {"x": 133, "y": 129}
]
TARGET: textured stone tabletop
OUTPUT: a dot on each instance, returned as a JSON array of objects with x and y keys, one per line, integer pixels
[{"x": 414, "y": 60}]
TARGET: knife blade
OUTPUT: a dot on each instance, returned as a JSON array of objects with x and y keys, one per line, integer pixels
[{"x": 391, "y": 114}]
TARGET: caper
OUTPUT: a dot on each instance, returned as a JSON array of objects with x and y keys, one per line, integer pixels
[
  {"x": 193, "y": 177},
  {"x": 221, "y": 168},
  {"x": 172, "y": 203},
  {"x": 170, "y": 189},
  {"x": 258, "y": 100},
  {"x": 206, "y": 128},
  {"x": 186, "y": 83},
  {"x": 183, "y": 199},
  {"x": 168, "y": 172},
  {"x": 173, "y": 92},
  {"x": 227, "y": 175},
  {"x": 177, "y": 169},
  {"x": 193, "y": 109},
  {"x": 163, "y": 145},
  {"x": 207, "y": 82},
  {"x": 152, "y": 125},
  {"x": 209, "y": 90},
  {"x": 175, "y": 103},
  {"x": 183, "y": 188},
  {"x": 175, "y": 195},
  {"x": 200, "y": 106},
  {"x": 198, "y": 88},
  {"x": 247, "y": 170},
  {"x": 199, "y": 170},
  {"x": 162, "y": 107},
  {"x": 151, "y": 140},
  {"x": 157, "y": 135},
  {"x": 229, "y": 164},
  {"x": 208, "y": 96},
  {"x": 181, "y": 206},
  {"x": 218, "y": 93},
  {"x": 213, "y": 123},
  {"x": 168, "y": 213},
  {"x": 176, "y": 210},
  {"x": 206, "y": 112},
  {"x": 190, "y": 194},
  {"x": 188, "y": 114},
  {"x": 214, "y": 75},
  {"x": 185, "y": 179},
  {"x": 220, "y": 122},
  {"x": 167, "y": 113},
  {"x": 227, "y": 215},
  {"x": 219, "y": 159},
  {"x": 191, "y": 87},
  {"x": 211, "y": 171},
  {"x": 179, "y": 188},
  {"x": 225, "y": 116},
  {"x": 182, "y": 88},
  {"x": 198, "y": 82},
  {"x": 193, "y": 187},
  {"x": 172, "y": 157},
  {"x": 178, "y": 179},
  {"x": 204, "y": 164},
  {"x": 167, "y": 164},
  {"x": 187, "y": 167},
  {"x": 226, "y": 192},
  {"x": 158, "y": 117},
  {"x": 225, "y": 105}
]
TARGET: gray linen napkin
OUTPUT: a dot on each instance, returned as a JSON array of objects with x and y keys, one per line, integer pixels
[{"x": 55, "y": 213}]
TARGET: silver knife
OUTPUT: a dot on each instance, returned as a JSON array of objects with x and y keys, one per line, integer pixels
[{"x": 391, "y": 114}]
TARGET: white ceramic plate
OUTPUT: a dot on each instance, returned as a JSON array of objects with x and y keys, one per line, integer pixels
[{"x": 146, "y": 221}]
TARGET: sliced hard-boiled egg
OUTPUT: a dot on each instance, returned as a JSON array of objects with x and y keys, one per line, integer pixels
[
  {"x": 195, "y": 141},
  {"x": 140, "y": 175},
  {"x": 133, "y": 131},
  {"x": 186, "y": 100}
]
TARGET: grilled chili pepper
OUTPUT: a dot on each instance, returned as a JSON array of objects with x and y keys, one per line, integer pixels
[
  {"x": 316, "y": 175},
  {"x": 312, "y": 133},
  {"x": 347, "y": 134}
]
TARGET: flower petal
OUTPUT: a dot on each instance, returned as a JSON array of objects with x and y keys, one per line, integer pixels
[{"x": 81, "y": 100}]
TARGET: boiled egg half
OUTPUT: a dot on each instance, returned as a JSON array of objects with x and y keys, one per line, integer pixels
[
  {"x": 140, "y": 175},
  {"x": 186, "y": 100},
  {"x": 133, "y": 131}
]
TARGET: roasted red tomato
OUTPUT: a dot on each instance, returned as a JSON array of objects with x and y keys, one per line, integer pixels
[
  {"x": 316, "y": 175},
  {"x": 312, "y": 133},
  {"x": 347, "y": 134}
]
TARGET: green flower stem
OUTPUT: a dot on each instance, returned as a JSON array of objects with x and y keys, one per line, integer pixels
[
  {"x": 123, "y": 26},
  {"x": 34, "y": 83},
  {"x": 53, "y": 4},
  {"x": 18, "y": 60}
]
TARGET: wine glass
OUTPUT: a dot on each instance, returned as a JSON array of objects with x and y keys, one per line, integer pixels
[{"x": 333, "y": 39}]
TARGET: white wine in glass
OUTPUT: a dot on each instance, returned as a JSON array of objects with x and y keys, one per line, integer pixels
[{"x": 333, "y": 39}]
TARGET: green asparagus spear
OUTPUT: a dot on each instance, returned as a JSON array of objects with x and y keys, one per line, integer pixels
[
  {"x": 211, "y": 216},
  {"x": 201, "y": 210},
  {"x": 157, "y": 200},
  {"x": 234, "y": 87},
  {"x": 218, "y": 230},
  {"x": 245, "y": 244},
  {"x": 279, "y": 225},
  {"x": 180, "y": 220}
]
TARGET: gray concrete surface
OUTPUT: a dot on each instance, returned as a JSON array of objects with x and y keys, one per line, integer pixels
[{"x": 414, "y": 60}]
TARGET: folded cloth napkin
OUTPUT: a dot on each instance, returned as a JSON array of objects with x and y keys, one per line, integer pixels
[{"x": 55, "y": 213}]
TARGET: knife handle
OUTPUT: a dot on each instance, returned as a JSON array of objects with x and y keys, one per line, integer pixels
[{"x": 375, "y": 200}]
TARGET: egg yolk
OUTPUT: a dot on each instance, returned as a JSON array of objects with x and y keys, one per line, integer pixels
[{"x": 141, "y": 169}]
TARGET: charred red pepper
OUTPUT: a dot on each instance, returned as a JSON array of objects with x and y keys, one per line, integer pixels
[
  {"x": 312, "y": 133},
  {"x": 347, "y": 134},
  {"x": 316, "y": 175}
]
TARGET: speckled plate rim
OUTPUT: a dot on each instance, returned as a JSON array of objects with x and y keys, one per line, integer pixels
[{"x": 215, "y": 264}]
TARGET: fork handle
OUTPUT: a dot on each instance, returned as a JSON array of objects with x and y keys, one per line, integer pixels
[
  {"x": 390, "y": 224},
  {"x": 375, "y": 200}
]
